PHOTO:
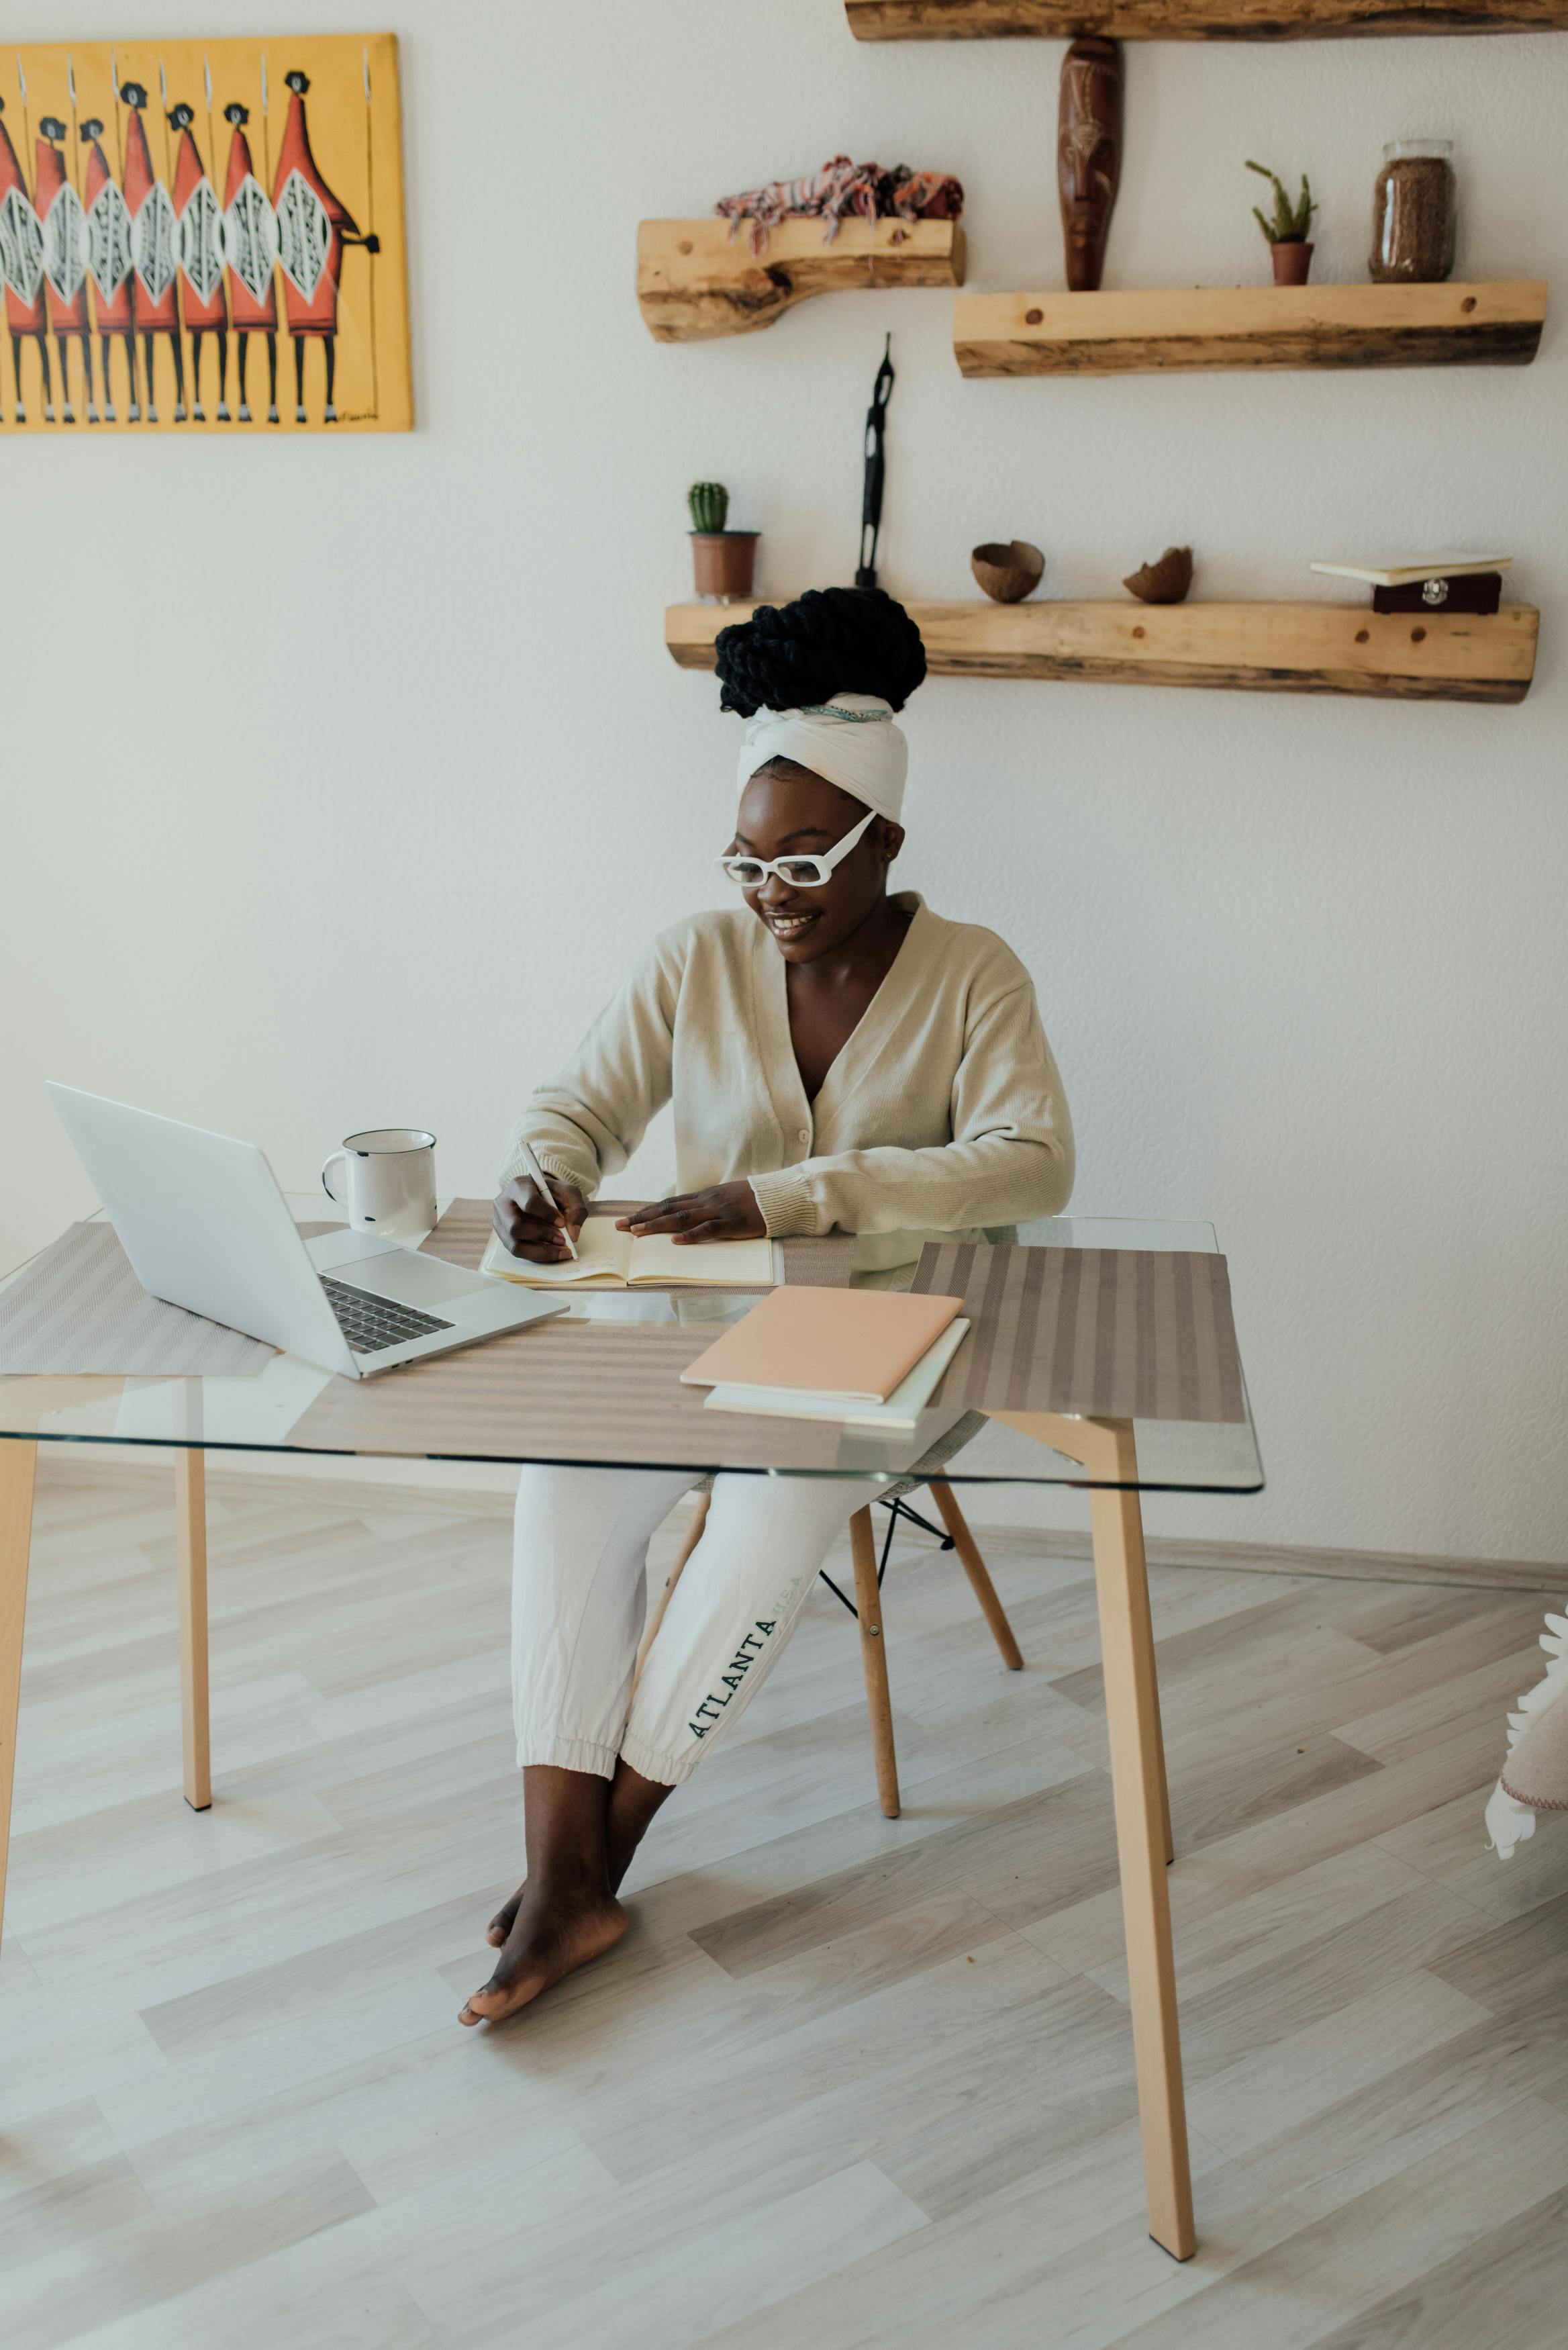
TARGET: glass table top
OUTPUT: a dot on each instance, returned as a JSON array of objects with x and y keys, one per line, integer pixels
[{"x": 266, "y": 1411}]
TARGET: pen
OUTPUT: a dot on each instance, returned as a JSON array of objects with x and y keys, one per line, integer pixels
[{"x": 536, "y": 1176}]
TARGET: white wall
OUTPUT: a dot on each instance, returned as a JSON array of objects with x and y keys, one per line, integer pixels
[{"x": 342, "y": 776}]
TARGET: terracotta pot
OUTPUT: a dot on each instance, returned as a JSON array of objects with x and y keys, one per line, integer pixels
[
  {"x": 722, "y": 561},
  {"x": 1293, "y": 259},
  {"x": 1008, "y": 570}
]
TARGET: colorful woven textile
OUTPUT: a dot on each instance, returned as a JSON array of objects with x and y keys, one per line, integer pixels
[{"x": 843, "y": 188}]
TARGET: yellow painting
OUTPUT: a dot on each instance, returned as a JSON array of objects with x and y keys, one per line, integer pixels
[{"x": 203, "y": 236}]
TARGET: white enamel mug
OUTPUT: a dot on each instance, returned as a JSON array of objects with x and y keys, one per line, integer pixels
[{"x": 389, "y": 1181}]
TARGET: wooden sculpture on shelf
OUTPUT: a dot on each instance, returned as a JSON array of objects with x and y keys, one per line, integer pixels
[
  {"x": 876, "y": 473},
  {"x": 1088, "y": 155}
]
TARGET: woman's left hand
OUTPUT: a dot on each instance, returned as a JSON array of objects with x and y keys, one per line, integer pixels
[{"x": 725, "y": 1212}]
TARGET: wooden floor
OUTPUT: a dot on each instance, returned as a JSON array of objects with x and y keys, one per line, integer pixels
[{"x": 849, "y": 2081}]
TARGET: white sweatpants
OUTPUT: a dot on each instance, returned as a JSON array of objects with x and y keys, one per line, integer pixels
[{"x": 579, "y": 1604}]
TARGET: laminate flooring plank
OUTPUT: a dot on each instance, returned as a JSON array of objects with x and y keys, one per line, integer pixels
[
  {"x": 51, "y": 2145},
  {"x": 241, "y": 2312},
  {"x": 1421, "y": 1928},
  {"x": 1391, "y": 1622},
  {"x": 1505, "y": 2290},
  {"x": 969, "y": 2276},
  {"x": 1288, "y": 2081},
  {"x": 888, "y": 1950},
  {"x": 335, "y": 2286},
  {"x": 1449, "y": 1844},
  {"x": 1516, "y": 1968},
  {"x": 62, "y": 2213},
  {"x": 846, "y": 2080},
  {"x": 1488, "y": 1692},
  {"x": 1236, "y": 1938},
  {"x": 902, "y": 2052},
  {"x": 60, "y": 2295},
  {"x": 60, "y": 2057},
  {"x": 1425, "y": 2103},
  {"x": 698, "y": 2280},
  {"x": 1365, "y": 1807},
  {"x": 93, "y": 1835},
  {"x": 1376, "y": 2245}
]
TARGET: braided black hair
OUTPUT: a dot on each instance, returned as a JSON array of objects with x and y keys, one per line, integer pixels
[{"x": 830, "y": 641}]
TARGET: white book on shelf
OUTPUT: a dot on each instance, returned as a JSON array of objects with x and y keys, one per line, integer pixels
[{"x": 1410, "y": 568}]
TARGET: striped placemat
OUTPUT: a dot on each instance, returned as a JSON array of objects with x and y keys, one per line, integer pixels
[
  {"x": 78, "y": 1307},
  {"x": 570, "y": 1389},
  {"x": 566, "y": 1390},
  {"x": 1114, "y": 1333}
]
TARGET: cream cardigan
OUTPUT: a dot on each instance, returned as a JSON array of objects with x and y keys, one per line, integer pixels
[{"x": 943, "y": 1111}]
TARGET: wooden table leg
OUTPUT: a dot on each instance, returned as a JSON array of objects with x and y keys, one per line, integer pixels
[
  {"x": 18, "y": 1459},
  {"x": 874, "y": 1659},
  {"x": 191, "y": 1529},
  {"x": 1142, "y": 1806},
  {"x": 1132, "y": 1717}
]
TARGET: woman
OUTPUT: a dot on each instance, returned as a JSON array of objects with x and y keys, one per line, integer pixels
[{"x": 837, "y": 1059}]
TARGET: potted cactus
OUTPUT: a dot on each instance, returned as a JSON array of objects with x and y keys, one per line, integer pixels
[
  {"x": 721, "y": 559},
  {"x": 1286, "y": 232}
]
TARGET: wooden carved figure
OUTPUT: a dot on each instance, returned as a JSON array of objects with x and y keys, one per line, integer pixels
[{"x": 1088, "y": 155}]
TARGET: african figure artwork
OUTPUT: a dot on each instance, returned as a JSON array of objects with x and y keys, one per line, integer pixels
[
  {"x": 1088, "y": 155},
  {"x": 165, "y": 204}
]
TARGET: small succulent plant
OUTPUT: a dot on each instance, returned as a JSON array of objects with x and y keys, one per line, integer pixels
[
  {"x": 1290, "y": 221},
  {"x": 709, "y": 504}
]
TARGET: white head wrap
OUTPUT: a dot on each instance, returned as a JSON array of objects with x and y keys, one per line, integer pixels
[{"x": 851, "y": 740}]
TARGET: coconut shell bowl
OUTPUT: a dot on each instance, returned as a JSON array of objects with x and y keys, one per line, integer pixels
[
  {"x": 1008, "y": 572},
  {"x": 1165, "y": 582}
]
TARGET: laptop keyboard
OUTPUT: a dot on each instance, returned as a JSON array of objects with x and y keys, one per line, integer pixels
[{"x": 372, "y": 1322}]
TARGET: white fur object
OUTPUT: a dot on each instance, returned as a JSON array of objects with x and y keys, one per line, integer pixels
[
  {"x": 1508, "y": 1822},
  {"x": 851, "y": 740}
]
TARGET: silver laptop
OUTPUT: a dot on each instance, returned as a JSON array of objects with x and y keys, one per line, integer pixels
[{"x": 205, "y": 1226}]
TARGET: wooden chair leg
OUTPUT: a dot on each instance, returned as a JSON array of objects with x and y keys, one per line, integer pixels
[
  {"x": 1132, "y": 1713},
  {"x": 974, "y": 1566},
  {"x": 18, "y": 1461},
  {"x": 694, "y": 1536},
  {"x": 195, "y": 1716},
  {"x": 874, "y": 1659}
]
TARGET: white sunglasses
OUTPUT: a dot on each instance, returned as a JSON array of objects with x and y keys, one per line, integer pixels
[{"x": 795, "y": 872}]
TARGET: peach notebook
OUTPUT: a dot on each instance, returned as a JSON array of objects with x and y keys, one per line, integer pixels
[{"x": 844, "y": 1342}]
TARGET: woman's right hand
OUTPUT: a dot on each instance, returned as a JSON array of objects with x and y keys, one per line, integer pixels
[{"x": 532, "y": 1227}]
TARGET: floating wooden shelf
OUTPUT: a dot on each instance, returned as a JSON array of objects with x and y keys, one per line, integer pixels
[
  {"x": 1258, "y": 648},
  {"x": 1192, "y": 20},
  {"x": 1248, "y": 327},
  {"x": 694, "y": 282}
]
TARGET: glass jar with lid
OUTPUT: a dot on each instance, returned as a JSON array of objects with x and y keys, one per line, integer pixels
[{"x": 1413, "y": 212}]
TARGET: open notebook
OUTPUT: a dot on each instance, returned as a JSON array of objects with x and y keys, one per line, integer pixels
[{"x": 608, "y": 1259}]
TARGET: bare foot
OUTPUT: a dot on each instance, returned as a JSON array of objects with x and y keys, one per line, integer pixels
[
  {"x": 505, "y": 1917},
  {"x": 545, "y": 1941}
]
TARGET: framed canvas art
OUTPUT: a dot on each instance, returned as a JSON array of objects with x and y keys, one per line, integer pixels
[{"x": 203, "y": 236}]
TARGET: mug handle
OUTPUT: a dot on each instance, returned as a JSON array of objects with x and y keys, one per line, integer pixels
[{"x": 326, "y": 1186}]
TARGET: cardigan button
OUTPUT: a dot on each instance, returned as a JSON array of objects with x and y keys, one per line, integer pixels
[{"x": 804, "y": 1134}]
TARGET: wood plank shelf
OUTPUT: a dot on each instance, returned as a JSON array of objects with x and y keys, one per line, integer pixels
[
  {"x": 1217, "y": 326},
  {"x": 695, "y": 283},
  {"x": 1192, "y": 20},
  {"x": 1257, "y": 648}
]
